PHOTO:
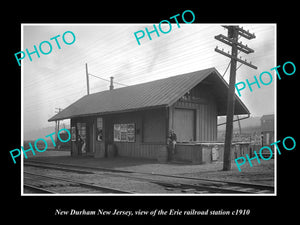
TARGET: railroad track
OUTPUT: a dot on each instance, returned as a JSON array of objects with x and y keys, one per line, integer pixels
[
  {"x": 175, "y": 183},
  {"x": 40, "y": 183},
  {"x": 37, "y": 190}
]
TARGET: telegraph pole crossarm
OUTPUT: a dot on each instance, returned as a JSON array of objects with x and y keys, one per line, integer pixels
[
  {"x": 235, "y": 58},
  {"x": 229, "y": 41}
]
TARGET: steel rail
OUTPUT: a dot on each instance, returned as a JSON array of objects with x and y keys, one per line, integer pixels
[
  {"x": 84, "y": 184},
  {"x": 38, "y": 189}
]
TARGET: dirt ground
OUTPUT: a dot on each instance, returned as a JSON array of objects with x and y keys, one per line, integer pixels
[{"x": 262, "y": 173}]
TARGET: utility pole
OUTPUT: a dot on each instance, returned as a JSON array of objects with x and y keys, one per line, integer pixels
[
  {"x": 232, "y": 40},
  {"x": 87, "y": 79},
  {"x": 57, "y": 129}
]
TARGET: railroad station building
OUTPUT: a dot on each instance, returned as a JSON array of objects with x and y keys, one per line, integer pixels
[{"x": 134, "y": 121}]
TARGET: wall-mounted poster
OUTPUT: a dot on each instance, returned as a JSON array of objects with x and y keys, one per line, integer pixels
[
  {"x": 117, "y": 132},
  {"x": 123, "y": 136},
  {"x": 99, "y": 129},
  {"x": 124, "y": 132},
  {"x": 131, "y": 132}
]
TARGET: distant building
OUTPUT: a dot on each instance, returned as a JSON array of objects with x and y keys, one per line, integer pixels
[{"x": 267, "y": 129}]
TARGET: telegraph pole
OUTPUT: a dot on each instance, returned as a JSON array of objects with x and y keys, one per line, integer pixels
[
  {"x": 232, "y": 40},
  {"x": 57, "y": 129},
  {"x": 87, "y": 79}
]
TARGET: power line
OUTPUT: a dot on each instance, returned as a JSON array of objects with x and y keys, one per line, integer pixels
[
  {"x": 227, "y": 68},
  {"x": 107, "y": 80},
  {"x": 66, "y": 76}
]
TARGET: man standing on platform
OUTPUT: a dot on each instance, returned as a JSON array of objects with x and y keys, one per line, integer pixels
[{"x": 172, "y": 138}]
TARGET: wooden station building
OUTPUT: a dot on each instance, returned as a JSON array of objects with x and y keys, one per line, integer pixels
[{"x": 134, "y": 121}]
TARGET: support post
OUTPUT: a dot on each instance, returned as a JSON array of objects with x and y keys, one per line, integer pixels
[{"x": 87, "y": 79}]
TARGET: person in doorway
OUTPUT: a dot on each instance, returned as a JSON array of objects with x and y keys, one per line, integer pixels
[
  {"x": 82, "y": 144},
  {"x": 172, "y": 139},
  {"x": 100, "y": 135},
  {"x": 79, "y": 144},
  {"x": 83, "y": 148}
]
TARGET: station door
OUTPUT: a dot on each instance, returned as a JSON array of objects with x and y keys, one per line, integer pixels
[{"x": 184, "y": 124}]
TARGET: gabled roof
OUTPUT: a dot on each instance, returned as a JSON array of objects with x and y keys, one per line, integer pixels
[{"x": 158, "y": 93}]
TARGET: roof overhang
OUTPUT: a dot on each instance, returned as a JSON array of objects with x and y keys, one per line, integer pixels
[
  {"x": 59, "y": 117},
  {"x": 220, "y": 90}
]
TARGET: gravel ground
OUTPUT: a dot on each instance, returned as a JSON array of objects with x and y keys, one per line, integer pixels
[
  {"x": 47, "y": 153},
  {"x": 101, "y": 179},
  {"x": 262, "y": 173}
]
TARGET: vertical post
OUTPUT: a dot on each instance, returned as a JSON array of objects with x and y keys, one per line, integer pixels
[
  {"x": 87, "y": 79},
  {"x": 56, "y": 131},
  {"x": 57, "y": 145},
  {"x": 167, "y": 123},
  {"x": 233, "y": 33}
]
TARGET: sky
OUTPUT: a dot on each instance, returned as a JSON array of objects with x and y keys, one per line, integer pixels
[{"x": 58, "y": 79}]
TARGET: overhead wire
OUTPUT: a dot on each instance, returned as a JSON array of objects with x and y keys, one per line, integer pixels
[
  {"x": 165, "y": 62},
  {"x": 112, "y": 52},
  {"x": 107, "y": 80}
]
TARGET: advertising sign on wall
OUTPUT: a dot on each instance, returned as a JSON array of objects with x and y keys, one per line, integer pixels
[{"x": 124, "y": 132}]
